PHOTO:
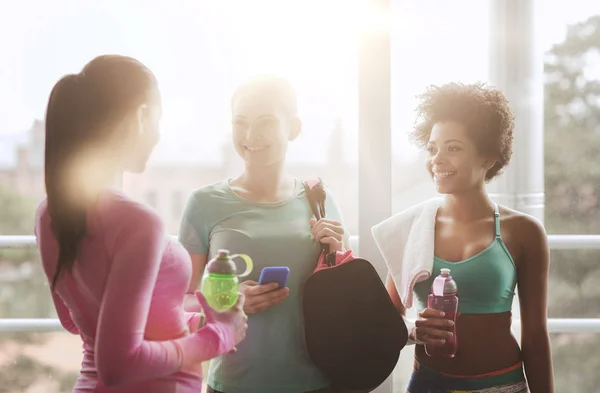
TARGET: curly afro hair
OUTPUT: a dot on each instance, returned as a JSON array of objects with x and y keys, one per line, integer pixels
[{"x": 482, "y": 109}]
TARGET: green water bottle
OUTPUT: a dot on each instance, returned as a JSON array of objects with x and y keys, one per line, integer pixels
[{"x": 220, "y": 284}]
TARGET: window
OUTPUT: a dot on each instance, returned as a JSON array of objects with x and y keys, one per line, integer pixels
[
  {"x": 177, "y": 201},
  {"x": 199, "y": 52},
  {"x": 195, "y": 147},
  {"x": 35, "y": 361},
  {"x": 152, "y": 199},
  {"x": 572, "y": 175}
]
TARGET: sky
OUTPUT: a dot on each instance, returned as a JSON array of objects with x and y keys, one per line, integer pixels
[{"x": 201, "y": 49}]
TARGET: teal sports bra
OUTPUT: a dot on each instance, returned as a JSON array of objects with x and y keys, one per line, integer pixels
[{"x": 486, "y": 281}]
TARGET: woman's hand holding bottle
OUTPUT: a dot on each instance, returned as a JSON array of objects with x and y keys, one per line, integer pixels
[
  {"x": 217, "y": 334},
  {"x": 235, "y": 317},
  {"x": 432, "y": 327}
]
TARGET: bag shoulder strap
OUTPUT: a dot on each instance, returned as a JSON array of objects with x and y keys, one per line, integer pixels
[
  {"x": 316, "y": 195},
  {"x": 315, "y": 192}
]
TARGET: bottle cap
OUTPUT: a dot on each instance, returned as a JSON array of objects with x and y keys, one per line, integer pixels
[
  {"x": 222, "y": 264},
  {"x": 445, "y": 272}
]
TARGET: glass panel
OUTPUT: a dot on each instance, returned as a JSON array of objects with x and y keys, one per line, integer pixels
[
  {"x": 574, "y": 290},
  {"x": 23, "y": 285},
  {"x": 574, "y": 293},
  {"x": 177, "y": 203},
  {"x": 199, "y": 52},
  {"x": 195, "y": 149},
  {"x": 41, "y": 362},
  {"x": 572, "y": 117},
  {"x": 429, "y": 48},
  {"x": 576, "y": 362},
  {"x": 569, "y": 30}
]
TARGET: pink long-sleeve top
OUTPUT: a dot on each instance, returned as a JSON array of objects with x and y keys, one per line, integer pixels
[{"x": 124, "y": 297}]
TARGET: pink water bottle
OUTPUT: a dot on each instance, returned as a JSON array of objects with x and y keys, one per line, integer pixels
[{"x": 444, "y": 297}]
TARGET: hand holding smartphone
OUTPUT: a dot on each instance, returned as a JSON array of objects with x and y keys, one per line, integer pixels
[
  {"x": 269, "y": 291},
  {"x": 278, "y": 274}
]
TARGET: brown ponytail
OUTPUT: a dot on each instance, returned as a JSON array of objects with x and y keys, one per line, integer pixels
[{"x": 83, "y": 110}]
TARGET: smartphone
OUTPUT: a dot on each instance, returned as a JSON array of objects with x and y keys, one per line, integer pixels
[{"x": 278, "y": 274}]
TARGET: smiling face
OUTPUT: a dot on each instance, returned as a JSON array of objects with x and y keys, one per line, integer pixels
[
  {"x": 262, "y": 128},
  {"x": 454, "y": 162}
]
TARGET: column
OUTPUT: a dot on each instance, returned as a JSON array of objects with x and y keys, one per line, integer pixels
[
  {"x": 374, "y": 132},
  {"x": 517, "y": 68},
  {"x": 374, "y": 137}
]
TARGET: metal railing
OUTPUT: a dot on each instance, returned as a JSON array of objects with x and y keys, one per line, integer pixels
[
  {"x": 555, "y": 325},
  {"x": 556, "y": 242}
]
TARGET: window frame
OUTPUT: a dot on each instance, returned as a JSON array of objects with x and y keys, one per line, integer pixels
[{"x": 525, "y": 193}]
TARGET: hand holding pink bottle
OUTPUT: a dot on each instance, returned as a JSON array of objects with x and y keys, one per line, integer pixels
[{"x": 443, "y": 298}]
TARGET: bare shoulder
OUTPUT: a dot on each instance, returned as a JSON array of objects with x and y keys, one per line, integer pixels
[
  {"x": 527, "y": 230},
  {"x": 521, "y": 222}
]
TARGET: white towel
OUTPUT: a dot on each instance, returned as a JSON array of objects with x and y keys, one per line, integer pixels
[{"x": 406, "y": 241}]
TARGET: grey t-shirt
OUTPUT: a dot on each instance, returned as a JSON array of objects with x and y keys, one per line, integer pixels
[{"x": 273, "y": 356}]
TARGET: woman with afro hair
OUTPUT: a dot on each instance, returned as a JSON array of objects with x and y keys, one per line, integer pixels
[{"x": 467, "y": 131}]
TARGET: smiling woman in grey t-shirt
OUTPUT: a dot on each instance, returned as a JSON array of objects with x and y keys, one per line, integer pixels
[{"x": 264, "y": 213}]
